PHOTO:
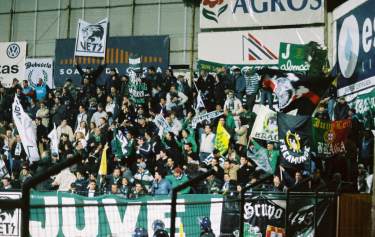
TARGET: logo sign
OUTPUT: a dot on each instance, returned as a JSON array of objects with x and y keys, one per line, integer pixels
[
  {"x": 10, "y": 219},
  {"x": 153, "y": 50},
  {"x": 292, "y": 57},
  {"x": 12, "y": 62},
  {"x": 91, "y": 38},
  {"x": 13, "y": 50},
  {"x": 355, "y": 46},
  {"x": 254, "y": 13},
  {"x": 256, "y": 47},
  {"x": 37, "y": 68}
]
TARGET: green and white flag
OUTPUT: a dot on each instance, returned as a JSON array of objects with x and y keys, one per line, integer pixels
[
  {"x": 265, "y": 125},
  {"x": 120, "y": 145},
  {"x": 112, "y": 215},
  {"x": 365, "y": 108}
]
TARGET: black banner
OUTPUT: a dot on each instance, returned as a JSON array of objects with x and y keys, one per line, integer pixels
[{"x": 295, "y": 136}]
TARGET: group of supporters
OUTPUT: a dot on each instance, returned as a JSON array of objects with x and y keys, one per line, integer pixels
[{"x": 147, "y": 158}]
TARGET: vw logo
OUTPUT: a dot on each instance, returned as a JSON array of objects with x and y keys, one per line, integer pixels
[
  {"x": 348, "y": 46},
  {"x": 13, "y": 50}
]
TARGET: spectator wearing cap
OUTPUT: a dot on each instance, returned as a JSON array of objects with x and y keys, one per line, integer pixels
[
  {"x": 177, "y": 179},
  {"x": 207, "y": 143},
  {"x": 100, "y": 113},
  {"x": 160, "y": 186},
  {"x": 143, "y": 176},
  {"x": 143, "y": 147},
  {"x": 43, "y": 113}
]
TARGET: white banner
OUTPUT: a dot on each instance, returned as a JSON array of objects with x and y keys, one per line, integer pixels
[
  {"x": 259, "y": 13},
  {"x": 54, "y": 140},
  {"x": 265, "y": 125},
  {"x": 26, "y": 129},
  {"x": 253, "y": 47},
  {"x": 12, "y": 62},
  {"x": 40, "y": 68},
  {"x": 91, "y": 39},
  {"x": 10, "y": 222}
]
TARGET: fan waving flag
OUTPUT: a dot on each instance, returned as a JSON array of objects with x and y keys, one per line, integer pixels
[
  {"x": 295, "y": 136},
  {"x": 295, "y": 91}
]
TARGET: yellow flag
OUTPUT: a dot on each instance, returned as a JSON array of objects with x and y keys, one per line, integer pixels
[
  {"x": 103, "y": 162},
  {"x": 222, "y": 139}
]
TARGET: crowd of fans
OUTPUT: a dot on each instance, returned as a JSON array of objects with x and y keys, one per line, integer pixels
[{"x": 89, "y": 117}]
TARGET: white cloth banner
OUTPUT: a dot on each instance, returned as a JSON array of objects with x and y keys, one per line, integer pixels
[
  {"x": 54, "y": 140},
  {"x": 40, "y": 68},
  {"x": 12, "y": 62},
  {"x": 265, "y": 125},
  {"x": 26, "y": 129},
  {"x": 91, "y": 39}
]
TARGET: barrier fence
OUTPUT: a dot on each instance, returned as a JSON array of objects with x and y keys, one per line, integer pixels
[{"x": 251, "y": 213}]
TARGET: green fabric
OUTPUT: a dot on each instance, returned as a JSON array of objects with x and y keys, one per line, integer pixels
[
  {"x": 176, "y": 182},
  {"x": 273, "y": 156}
]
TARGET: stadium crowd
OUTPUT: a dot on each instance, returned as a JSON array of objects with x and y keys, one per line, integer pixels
[{"x": 152, "y": 161}]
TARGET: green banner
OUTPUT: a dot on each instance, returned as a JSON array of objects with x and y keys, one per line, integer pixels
[
  {"x": 329, "y": 137},
  {"x": 292, "y": 57},
  {"x": 138, "y": 90},
  {"x": 214, "y": 66},
  {"x": 365, "y": 107},
  {"x": 64, "y": 214}
]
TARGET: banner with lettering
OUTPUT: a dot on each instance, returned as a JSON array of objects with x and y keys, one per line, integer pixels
[
  {"x": 292, "y": 57},
  {"x": 251, "y": 13},
  {"x": 91, "y": 38},
  {"x": 206, "y": 116},
  {"x": 265, "y": 215},
  {"x": 37, "y": 68},
  {"x": 265, "y": 126},
  {"x": 12, "y": 62},
  {"x": 329, "y": 137},
  {"x": 295, "y": 139},
  {"x": 10, "y": 219},
  {"x": 111, "y": 215},
  {"x": 365, "y": 108}
]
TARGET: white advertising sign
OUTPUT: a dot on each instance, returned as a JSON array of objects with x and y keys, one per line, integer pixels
[
  {"x": 253, "y": 47},
  {"x": 40, "y": 68},
  {"x": 259, "y": 13},
  {"x": 12, "y": 62}
]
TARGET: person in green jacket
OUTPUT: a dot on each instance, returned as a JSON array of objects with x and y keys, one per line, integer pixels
[
  {"x": 187, "y": 137},
  {"x": 178, "y": 178},
  {"x": 273, "y": 154}
]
